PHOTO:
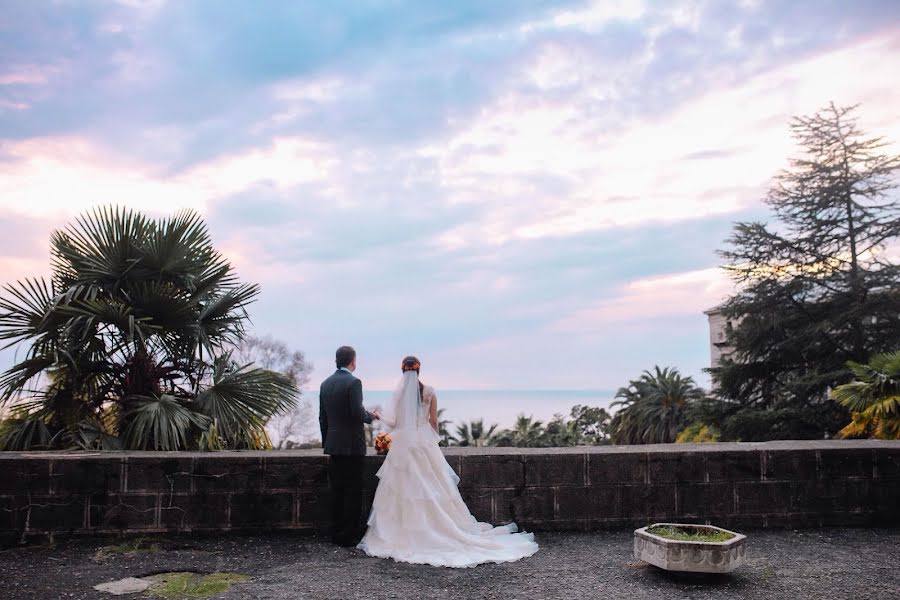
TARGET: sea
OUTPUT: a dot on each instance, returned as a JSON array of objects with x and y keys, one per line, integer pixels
[{"x": 500, "y": 407}]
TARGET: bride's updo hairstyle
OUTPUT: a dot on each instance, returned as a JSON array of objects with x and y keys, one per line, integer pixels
[{"x": 410, "y": 363}]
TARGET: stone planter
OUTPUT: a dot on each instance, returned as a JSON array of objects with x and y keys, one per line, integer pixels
[{"x": 696, "y": 557}]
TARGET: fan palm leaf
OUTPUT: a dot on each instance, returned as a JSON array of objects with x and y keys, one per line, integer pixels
[
  {"x": 241, "y": 400},
  {"x": 136, "y": 309},
  {"x": 25, "y": 310},
  {"x": 873, "y": 399},
  {"x": 221, "y": 320},
  {"x": 90, "y": 435},
  {"x": 17, "y": 377},
  {"x": 160, "y": 423},
  {"x": 24, "y": 433},
  {"x": 101, "y": 247}
]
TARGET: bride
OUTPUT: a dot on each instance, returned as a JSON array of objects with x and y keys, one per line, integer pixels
[{"x": 418, "y": 515}]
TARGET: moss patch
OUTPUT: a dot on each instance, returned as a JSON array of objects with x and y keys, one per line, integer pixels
[
  {"x": 690, "y": 534},
  {"x": 192, "y": 585},
  {"x": 128, "y": 547}
]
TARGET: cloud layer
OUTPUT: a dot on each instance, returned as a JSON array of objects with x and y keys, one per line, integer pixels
[{"x": 525, "y": 194}]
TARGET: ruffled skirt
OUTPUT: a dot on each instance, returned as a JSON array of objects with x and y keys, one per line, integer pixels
[{"x": 418, "y": 515}]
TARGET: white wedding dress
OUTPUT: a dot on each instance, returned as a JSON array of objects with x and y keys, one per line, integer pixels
[{"x": 418, "y": 515}]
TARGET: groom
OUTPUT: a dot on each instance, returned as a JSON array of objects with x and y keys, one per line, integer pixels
[{"x": 341, "y": 418}]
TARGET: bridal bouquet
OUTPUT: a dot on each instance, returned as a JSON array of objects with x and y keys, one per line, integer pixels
[{"x": 382, "y": 443}]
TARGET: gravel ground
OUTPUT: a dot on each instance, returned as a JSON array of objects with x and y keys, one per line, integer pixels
[{"x": 829, "y": 563}]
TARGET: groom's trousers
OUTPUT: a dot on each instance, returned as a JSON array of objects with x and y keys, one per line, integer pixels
[{"x": 345, "y": 477}]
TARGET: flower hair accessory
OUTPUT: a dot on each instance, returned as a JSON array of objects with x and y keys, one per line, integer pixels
[{"x": 410, "y": 364}]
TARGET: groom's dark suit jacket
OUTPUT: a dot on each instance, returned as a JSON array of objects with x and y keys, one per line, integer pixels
[{"x": 341, "y": 415}]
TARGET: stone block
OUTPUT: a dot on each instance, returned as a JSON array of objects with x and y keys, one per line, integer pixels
[
  {"x": 833, "y": 496},
  {"x": 8, "y": 514},
  {"x": 704, "y": 500},
  {"x": 480, "y": 502},
  {"x": 314, "y": 508},
  {"x": 555, "y": 525},
  {"x": 261, "y": 509},
  {"x": 791, "y": 465},
  {"x": 122, "y": 587},
  {"x": 887, "y": 461},
  {"x": 237, "y": 475},
  {"x": 763, "y": 497},
  {"x": 839, "y": 463},
  {"x": 199, "y": 510},
  {"x": 617, "y": 469},
  {"x": 85, "y": 475},
  {"x": 590, "y": 503},
  {"x": 886, "y": 497},
  {"x": 856, "y": 519},
  {"x": 455, "y": 462},
  {"x": 676, "y": 467},
  {"x": 555, "y": 470},
  {"x": 503, "y": 471},
  {"x": 124, "y": 512},
  {"x": 534, "y": 504},
  {"x": 370, "y": 469},
  {"x": 647, "y": 501},
  {"x": 734, "y": 465},
  {"x": 290, "y": 473},
  {"x": 616, "y": 524},
  {"x": 161, "y": 474},
  {"x": 503, "y": 505},
  {"x": 738, "y": 522},
  {"x": 25, "y": 476},
  {"x": 49, "y": 513},
  {"x": 791, "y": 521}
]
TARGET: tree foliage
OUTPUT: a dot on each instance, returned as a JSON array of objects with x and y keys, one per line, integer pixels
[
  {"x": 128, "y": 343},
  {"x": 586, "y": 425},
  {"x": 873, "y": 399},
  {"x": 443, "y": 432},
  {"x": 474, "y": 434},
  {"x": 817, "y": 288},
  {"x": 296, "y": 427},
  {"x": 654, "y": 407}
]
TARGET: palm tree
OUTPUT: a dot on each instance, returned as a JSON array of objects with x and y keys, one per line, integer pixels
[
  {"x": 443, "y": 432},
  {"x": 129, "y": 343},
  {"x": 474, "y": 434},
  {"x": 525, "y": 433},
  {"x": 873, "y": 399},
  {"x": 653, "y": 407}
]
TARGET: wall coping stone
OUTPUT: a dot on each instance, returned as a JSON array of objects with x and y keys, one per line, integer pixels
[{"x": 489, "y": 451}]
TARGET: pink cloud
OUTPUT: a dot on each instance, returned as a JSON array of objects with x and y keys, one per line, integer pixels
[{"x": 679, "y": 294}]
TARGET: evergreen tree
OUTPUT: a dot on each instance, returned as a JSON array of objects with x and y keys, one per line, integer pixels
[{"x": 817, "y": 289}]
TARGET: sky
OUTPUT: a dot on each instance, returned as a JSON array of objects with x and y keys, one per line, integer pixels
[{"x": 524, "y": 194}]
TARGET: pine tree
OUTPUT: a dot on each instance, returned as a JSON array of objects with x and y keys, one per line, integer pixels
[{"x": 817, "y": 289}]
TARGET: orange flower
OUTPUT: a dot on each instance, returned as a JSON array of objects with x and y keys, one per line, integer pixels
[{"x": 382, "y": 443}]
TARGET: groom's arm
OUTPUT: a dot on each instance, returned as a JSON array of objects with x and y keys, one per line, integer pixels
[
  {"x": 323, "y": 418},
  {"x": 356, "y": 402}
]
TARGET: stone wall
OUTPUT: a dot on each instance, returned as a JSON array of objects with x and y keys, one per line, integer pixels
[{"x": 775, "y": 484}]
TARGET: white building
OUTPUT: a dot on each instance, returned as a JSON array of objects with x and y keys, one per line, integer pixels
[{"x": 718, "y": 347}]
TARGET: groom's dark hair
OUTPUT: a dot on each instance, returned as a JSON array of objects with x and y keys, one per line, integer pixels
[{"x": 344, "y": 356}]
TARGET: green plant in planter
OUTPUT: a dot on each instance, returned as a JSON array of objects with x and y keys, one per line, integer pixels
[{"x": 684, "y": 534}]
